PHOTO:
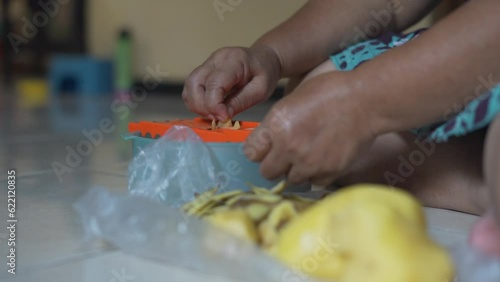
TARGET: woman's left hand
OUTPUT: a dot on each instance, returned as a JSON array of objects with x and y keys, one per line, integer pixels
[{"x": 314, "y": 133}]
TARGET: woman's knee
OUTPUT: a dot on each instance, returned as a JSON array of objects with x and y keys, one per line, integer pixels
[
  {"x": 492, "y": 163},
  {"x": 491, "y": 153}
]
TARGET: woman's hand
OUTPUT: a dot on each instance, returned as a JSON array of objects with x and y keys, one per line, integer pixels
[
  {"x": 231, "y": 81},
  {"x": 314, "y": 133}
]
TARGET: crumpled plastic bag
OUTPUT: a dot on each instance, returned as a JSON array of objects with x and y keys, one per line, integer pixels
[
  {"x": 176, "y": 167},
  {"x": 151, "y": 230},
  {"x": 473, "y": 266}
]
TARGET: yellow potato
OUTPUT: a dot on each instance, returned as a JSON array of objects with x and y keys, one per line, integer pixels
[
  {"x": 280, "y": 215},
  {"x": 364, "y": 233},
  {"x": 235, "y": 222}
]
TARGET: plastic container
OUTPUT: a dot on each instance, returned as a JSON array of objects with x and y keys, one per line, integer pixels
[
  {"x": 225, "y": 145},
  {"x": 202, "y": 127}
]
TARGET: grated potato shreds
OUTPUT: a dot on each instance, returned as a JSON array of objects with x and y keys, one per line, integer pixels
[{"x": 229, "y": 124}]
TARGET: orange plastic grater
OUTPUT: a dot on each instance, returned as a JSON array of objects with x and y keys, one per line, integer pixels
[{"x": 202, "y": 127}]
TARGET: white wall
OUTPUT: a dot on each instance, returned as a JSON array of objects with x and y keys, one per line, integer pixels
[{"x": 180, "y": 34}]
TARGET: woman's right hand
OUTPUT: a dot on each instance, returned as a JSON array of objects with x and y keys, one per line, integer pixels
[{"x": 232, "y": 80}]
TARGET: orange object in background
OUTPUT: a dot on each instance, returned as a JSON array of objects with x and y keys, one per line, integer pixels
[{"x": 202, "y": 127}]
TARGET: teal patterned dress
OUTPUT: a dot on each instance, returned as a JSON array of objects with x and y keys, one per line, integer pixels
[{"x": 478, "y": 114}]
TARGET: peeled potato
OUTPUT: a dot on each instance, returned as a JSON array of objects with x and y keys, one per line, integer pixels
[{"x": 364, "y": 233}]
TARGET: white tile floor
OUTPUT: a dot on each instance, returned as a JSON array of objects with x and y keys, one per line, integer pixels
[{"x": 49, "y": 234}]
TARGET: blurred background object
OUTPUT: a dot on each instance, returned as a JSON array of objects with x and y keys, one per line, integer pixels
[
  {"x": 123, "y": 62},
  {"x": 33, "y": 30},
  {"x": 177, "y": 34},
  {"x": 79, "y": 85},
  {"x": 123, "y": 79},
  {"x": 33, "y": 92}
]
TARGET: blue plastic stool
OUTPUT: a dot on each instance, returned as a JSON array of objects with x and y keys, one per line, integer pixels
[
  {"x": 91, "y": 76},
  {"x": 79, "y": 86}
]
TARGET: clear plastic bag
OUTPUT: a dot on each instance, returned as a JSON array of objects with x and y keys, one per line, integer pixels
[
  {"x": 173, "y": 168},
  {"x": 147, "y": 222},
  {"x": 475, "y": 267},
  {"x": 151, "y": 230}
]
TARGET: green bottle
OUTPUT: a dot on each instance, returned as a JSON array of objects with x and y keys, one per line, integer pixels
[
  {"x": 123, "y": 62},
  {"x": 123, "y": 85}
]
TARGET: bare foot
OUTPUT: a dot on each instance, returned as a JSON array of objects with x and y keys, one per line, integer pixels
[{"x": 485, "y": 235}]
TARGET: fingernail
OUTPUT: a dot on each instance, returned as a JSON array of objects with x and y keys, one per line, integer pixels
[{"x": 221, "y": 118}]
